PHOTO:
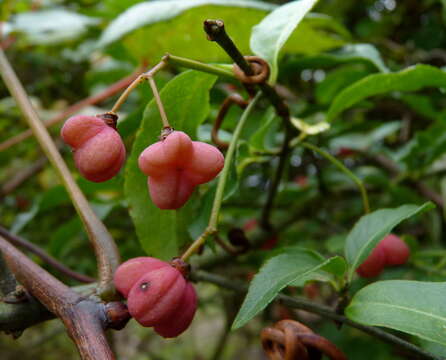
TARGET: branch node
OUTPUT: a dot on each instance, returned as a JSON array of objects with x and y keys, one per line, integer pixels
[
  {"x": 117, "y": 315},
  {"x": 260, "y": 68}
]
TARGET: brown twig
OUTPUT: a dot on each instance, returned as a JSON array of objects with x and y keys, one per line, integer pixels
[
  {"x": 224, "y": 108},
  {"x": 226, "y": 247},
  {"x": 215, "y": 29},
  {"x": 289, "y": 339},
  {"x": 106, "y": 252},
  {"x": 83, "y": 317},
  {"x": 20, "y": 242},
  {"x": 109, "y": 91}
]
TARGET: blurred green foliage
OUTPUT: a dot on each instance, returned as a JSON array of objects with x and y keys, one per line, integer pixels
[{"x": 347, "y": 62}]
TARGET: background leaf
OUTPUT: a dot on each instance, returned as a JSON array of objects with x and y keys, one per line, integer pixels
[
  {"x": 410, "y": 79},
  {"x": 51, "y": 26},
  {"x": 186, "y": 100},
  {"x": 351, "y": 53},
  {"x": 273, "y": 276},
  {"x": 271, "y": 34},
  {"x": 414, "y": 307},
  {"x": 147, "y": 20},
  {"x": 371, "y": 228},
  {"x": 426, "y": 147}
]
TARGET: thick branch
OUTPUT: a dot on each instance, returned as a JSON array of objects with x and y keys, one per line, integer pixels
[
  {"x": 105, "y": 249},
  {"x": 321, "y": 310},
  {"x": 84, "y": 319},
  {"x": 15, "y": 318},
  {"x": 7, "y": 280}
]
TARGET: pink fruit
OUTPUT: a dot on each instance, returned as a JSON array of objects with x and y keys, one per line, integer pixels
[
  {"x": 373, "y": 265},
  {"x": 396, "y": 250},
  {"x": 157, "y": 294},
  {"x": 182, "y": 317},
  {"x": 129, "y": 272},
  {"x": 99, "y": 152},
  {"x": 175, "y": 166}
]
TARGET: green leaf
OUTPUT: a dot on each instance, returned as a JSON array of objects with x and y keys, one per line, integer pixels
[
  {"x": 337, "y": 80},
  {"x": 434, "y": 348},
  {"x": 186, "y": 101},
  {"x": 73, "y": 227},
  {"x": 264, "y": 137},
  {"x": 274, "y": 275},
  {"x": 411, "y": 79},
  {"x": 152, "y": 28},
  {"x": 271, "y": 34},
  {"x": 351, "y": 53},
  {"x": 427, "y": 146},
  {"x": 414, "y": 307},
  {"x": 51, "y": 26},
  {"x": 336, "y": 268},
  {"x": 373, "y": 227},
  {"x": 363, "y": 141}
]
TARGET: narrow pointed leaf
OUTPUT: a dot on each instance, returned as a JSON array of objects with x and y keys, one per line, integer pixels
[
  {"x": 271, "y": 34},
  {"x": 274, "y": 275},
  {"x": 411, "y": 79}
]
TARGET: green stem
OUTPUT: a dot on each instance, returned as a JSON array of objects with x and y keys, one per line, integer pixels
[
  {"x": 212, "y": 226},
  {"x": 228, "y": 161},
  {"x": 341, "y": 166},
  {"x": 196, "y": 65},
  {"x": 105, "y": 249}
]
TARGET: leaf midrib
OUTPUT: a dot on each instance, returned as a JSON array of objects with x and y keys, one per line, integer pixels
[{"x": 390, "y": 306}]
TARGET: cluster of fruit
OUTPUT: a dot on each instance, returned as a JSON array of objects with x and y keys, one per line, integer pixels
[
  {"x": 174, "y": 166},
  {"x": 158, "y": 294},
  {"x": 390, "y": 251}
]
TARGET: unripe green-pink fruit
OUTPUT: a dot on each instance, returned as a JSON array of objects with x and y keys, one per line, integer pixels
[
  {"x": 176, "y": 165},
  {"x": 182, "y": 317},
  {"x": 129, "y": 272},
  {"x": 156, "y": 295},
  {"x": 98, "y": 149}
]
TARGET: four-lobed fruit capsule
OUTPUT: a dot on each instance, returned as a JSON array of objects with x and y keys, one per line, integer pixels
[
  {"x": 390, "y": 251},
  {"x": 99, "y": 152},
  {"x": 157, "y": 295},
  {"x": 176, "y": 165}
]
